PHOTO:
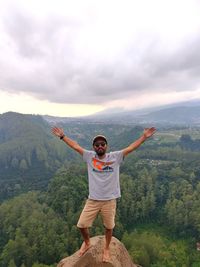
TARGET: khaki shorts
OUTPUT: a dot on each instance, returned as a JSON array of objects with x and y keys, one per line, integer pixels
[{"x": 106, "y": 208}]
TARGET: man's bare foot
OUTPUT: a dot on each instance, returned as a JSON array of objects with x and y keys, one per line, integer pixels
[
  {"x": 84, "y": 247},
  {"x": 106, "y": 255}
]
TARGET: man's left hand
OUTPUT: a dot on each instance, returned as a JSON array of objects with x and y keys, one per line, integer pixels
[{"x": 148, "y": 132}]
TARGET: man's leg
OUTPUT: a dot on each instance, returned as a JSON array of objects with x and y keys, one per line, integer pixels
[
  {"x": 86, "y": 243},
  {"x": 86, "y": 219},
  {"x": 108, "y": 213},
  {"x": 106, "y": 251}
]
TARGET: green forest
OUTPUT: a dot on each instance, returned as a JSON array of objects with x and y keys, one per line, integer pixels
[{"x": 44, "y": 187}]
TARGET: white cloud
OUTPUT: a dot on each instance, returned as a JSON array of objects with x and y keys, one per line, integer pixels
[
  {"x": 99, "y": 52},
  {"x": 152, "y": 99},
  {"x": 27, "y": 104}
]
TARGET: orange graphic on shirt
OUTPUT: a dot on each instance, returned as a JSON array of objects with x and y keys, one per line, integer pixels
[{"x": 100, "y": 165}]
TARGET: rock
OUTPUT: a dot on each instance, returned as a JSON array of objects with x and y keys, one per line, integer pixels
[{"x": 93, "y": 256}]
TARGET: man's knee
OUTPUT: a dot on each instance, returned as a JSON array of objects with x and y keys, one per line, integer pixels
[{"x": 109, "y": 225}]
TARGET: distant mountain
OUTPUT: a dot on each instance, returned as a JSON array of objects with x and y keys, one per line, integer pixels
[
  {"x": 181, "y": 113},
  {"x": 184, "y": 113},
  {"x": 53, "y": 120},
  {"x": 114, "y": 111}
]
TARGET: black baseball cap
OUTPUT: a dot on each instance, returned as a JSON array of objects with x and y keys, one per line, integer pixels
[{"x": 99, "y": 137}]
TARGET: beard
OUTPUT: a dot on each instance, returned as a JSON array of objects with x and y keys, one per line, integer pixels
[{"x": 101, "y": 152}]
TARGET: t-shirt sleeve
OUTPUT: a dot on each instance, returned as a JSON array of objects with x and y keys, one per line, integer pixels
[
  {"x": 87, "y": 154},
  {"x": 119, "y": 156}
]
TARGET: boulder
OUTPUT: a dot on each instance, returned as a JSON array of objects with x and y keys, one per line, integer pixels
[{"x": 93, "y": 256}]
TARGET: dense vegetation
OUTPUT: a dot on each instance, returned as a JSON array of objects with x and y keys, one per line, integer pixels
[
  {"x": 28, "y": 154},
  {"x": 157, "y": 217}
]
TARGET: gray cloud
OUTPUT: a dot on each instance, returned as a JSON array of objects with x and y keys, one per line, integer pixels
[{"x": 44, "y": 58}]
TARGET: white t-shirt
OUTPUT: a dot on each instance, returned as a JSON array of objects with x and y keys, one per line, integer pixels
[{"x": 103, "y": 174}]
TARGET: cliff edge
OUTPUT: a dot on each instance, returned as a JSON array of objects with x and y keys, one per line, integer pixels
[{"x": 93, "y": 257}]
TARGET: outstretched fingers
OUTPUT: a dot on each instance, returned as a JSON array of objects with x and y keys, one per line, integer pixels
[
  {"x": 57, "y": 131},
  {"x": 148, "y": 132},
  {"x": 153, "y": 130}
]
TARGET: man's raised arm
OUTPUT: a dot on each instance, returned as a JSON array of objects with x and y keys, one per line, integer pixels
[
  {"x": 71, "y": 143},
  {"x": 148, "y": 132}
]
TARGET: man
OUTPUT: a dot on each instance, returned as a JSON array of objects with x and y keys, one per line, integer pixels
[{"x": 104, "y": 186}]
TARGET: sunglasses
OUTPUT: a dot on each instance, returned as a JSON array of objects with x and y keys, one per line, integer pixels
[{"x": 102, "y": 144}]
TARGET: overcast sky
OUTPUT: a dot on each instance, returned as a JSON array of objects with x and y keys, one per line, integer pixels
[{"x": 77, "y": 57}]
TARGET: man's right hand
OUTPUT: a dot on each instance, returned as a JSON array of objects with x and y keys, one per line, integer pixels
[
  {"x": 57, "y": 131},
  {"x": 60, "y": 133}
]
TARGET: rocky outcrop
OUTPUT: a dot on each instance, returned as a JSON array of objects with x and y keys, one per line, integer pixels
[{"x": 93, "y": 257}]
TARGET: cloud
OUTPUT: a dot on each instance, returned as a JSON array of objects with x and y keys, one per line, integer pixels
[{"x": 93, "y": 56}]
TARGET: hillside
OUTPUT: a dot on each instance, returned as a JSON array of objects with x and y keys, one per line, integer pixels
[{"x": 29, "y": 155}]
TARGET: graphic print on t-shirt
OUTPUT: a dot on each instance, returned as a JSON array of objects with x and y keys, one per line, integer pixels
[{"x": 101, "y": 166}]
